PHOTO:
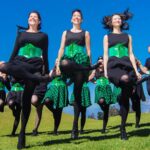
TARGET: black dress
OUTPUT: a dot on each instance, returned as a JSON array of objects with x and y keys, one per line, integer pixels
[
  {"x": 147, "y": 65},
  {"x": 119, "y": 63}
]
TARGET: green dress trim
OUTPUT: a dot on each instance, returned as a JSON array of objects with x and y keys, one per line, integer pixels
[
  {"x": 17, "y": 87},
  {"x": 2, "y": 86},
  {"x": 57, "y": 93},
  {"x": 103, "y": 90},
  {"x": 30, "y": 51},
  {"x": 85, "y": 96},
  {"x": 76, "y": 53},
  {"x": 119, "y": 50}
]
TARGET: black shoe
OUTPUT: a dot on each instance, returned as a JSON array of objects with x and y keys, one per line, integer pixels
[
  {"x": 12, "y": 134},
  {"x": 81, "y": 131},
  {"x": 124, "y": 135},
  {"x": 34, "y": 133},
  {"x": 137, "y": 126},
  {"x": 21, "y": 141},
  {"x": 55, "y": 132},
  {"x": 103, "y": 131},
  {"x": 74, "y": 134}
]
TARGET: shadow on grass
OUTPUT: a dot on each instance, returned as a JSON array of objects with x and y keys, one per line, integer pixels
[
  {"x": 78, "y": 141},
  {"x": 118, "y": 126},
  {"x": 139, "y": 132}
]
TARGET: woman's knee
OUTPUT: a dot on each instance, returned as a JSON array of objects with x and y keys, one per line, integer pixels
[
  {"x": 34, "y": 100},
  {"x": 11, "y": 104}
]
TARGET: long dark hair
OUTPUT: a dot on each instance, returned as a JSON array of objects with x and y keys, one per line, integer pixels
[
  {"x": 26, "y": 28},
  {"x": 126, "y": 15}
]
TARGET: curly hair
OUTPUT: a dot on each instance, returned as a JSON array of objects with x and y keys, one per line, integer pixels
[{"x": 126, "y": 15}]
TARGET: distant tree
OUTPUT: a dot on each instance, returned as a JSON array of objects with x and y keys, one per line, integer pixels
[
  {"x": 113, "y": 111},
  {"x": 92, "y": 116},
  {"x": 100, "y": 115}
]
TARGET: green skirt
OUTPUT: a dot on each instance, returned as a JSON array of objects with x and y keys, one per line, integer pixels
[
  {"x": 57, "y": 93},
  {"x": 103, "y": 90},
  {"x": 85, "y": 97}
]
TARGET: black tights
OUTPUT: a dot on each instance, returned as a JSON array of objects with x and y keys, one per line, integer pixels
[
  {"x": 136, "y": 107},
  {"x": 16, "y": 109},
  {"x": 25, "y": 71},
  {"x": 105, "y": 109},
  {"x": 26, "y": 108},
  {"x": 83, "y": 117},
  {"x": 79, "y": 76},
  {"x": 57, "y": 113},
  {"x": 127, "y": 89}
]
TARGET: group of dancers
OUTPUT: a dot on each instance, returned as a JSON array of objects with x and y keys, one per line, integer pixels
[{"x": 31, "y": 81}]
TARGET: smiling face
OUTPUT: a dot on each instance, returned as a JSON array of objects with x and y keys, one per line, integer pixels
[
  {"x": 76, "y": 18},
  {"x": 116, "y": 21},
  {"x": 33, "y": 20}
]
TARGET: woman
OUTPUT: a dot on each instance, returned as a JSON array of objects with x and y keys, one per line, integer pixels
[
  {"x": 36, "y": 99},
  {"x": 104, "y": 96},
  {"x": 56, "y": 97},
  {"x": 4, "y": 82},
  {"x": 119, "y": 62},
  {"x": 74, "y": 62},
  {"x": 85, "y": 103},
  {"x": 14, "y": 99},
  {"x": 30, "y": 55}
]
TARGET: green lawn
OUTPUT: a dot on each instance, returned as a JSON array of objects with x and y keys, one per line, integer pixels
[{"x": 139, "y": 139}]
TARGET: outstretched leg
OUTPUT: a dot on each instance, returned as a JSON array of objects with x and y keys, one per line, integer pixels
[
  {"x": 26, "y": 108},
  {"x": 83, "y": 119}
]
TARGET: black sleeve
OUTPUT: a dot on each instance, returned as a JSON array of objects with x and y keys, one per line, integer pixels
[
  {"x": 7, "y": 84},
  {"x": 16, "y": 48},
  {"x": 147, "y": 63},
  {"x": 45, "y": 56}
]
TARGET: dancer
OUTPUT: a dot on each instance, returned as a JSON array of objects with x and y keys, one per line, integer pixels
[
  {"x": 36, "y": 99},
  {"x": 74, "y": 61},
  {"x": 28, "y": 61},
  {"x": 56, "y": 97},
  {"x": 85, "y": 103},
  {"x": 104, "y": 96},
  {"x": 120, "y": 66},
  {"x": 14, "y": 100},
  {"x": 4, "y": 82}
]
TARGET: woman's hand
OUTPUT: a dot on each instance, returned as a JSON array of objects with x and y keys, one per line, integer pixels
[
  {"x": 139, "y": 76},
  {"x": 58, "y": 72},
  {"x": 105, "y": 74}
]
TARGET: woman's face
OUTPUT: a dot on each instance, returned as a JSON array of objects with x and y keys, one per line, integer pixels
[
  {"x": 76, "y": 18},
  {"x": 33, "y": 20},
  {"x": 116, "y": 21}
]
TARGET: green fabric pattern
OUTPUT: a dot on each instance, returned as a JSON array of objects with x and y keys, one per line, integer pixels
[
  {"x": 2, "y": 86},
  {"x": 103, "y": 90},
  {"x": 17, "y": 87},
  {"x": 116, "y": 93},
  {"x": 30, "y": 51},
  {"x": 85, "y": 96},
  {"x": 119, "y": 50},
  {"x": 76, "y": 53},
  {"x": 57, "y": 93}
]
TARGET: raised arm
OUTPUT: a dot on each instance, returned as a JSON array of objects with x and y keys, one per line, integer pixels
[
  {"x": 16, "y": 48},
  {"x": 87, "y": 44},
  {"x": 45, "y": 55},
  {"x": 132, "y": 58},
  {"x": 105, "y": 56}
]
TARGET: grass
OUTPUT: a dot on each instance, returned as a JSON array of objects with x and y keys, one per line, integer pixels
[{"x": 92, "y": 139}]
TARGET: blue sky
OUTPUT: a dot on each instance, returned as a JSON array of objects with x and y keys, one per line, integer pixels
[{"x": 56, "y": 17}]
